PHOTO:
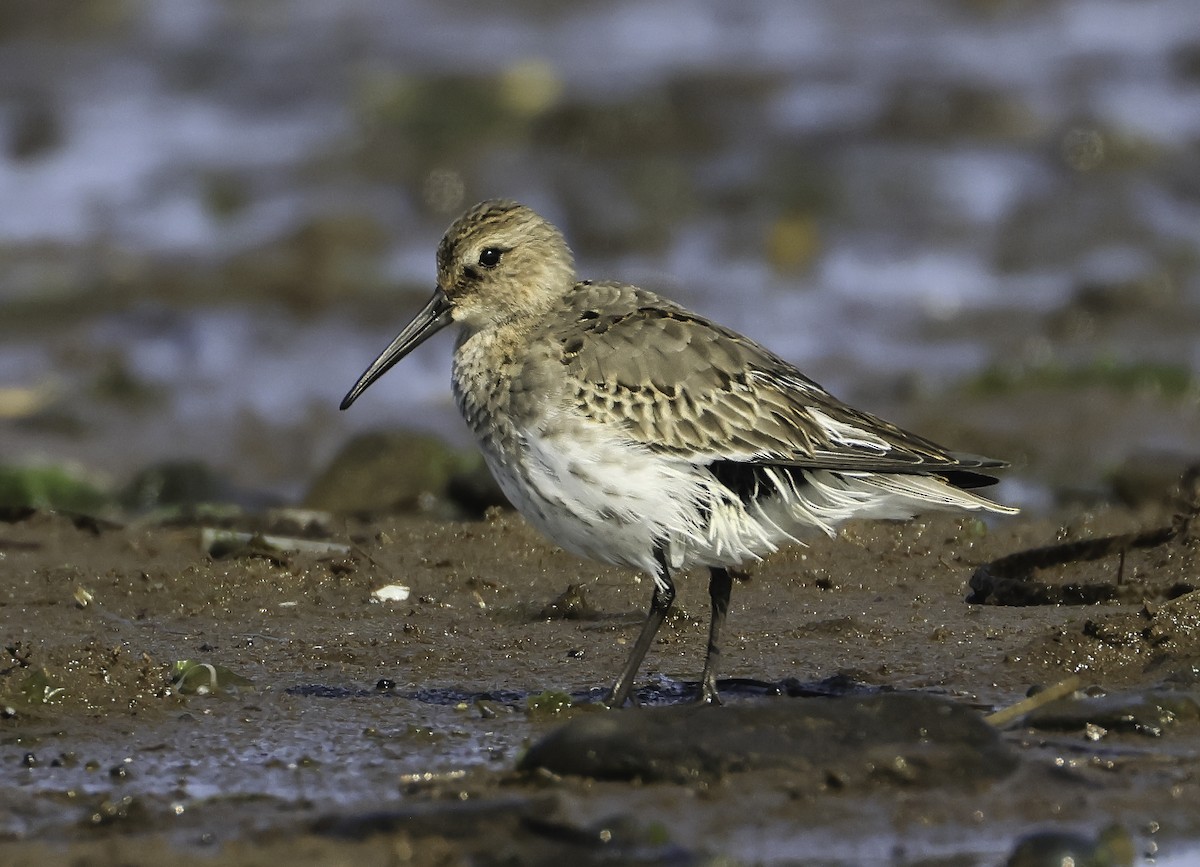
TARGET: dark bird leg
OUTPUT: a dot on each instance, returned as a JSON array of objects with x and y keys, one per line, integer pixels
[
  {"x": 660, "y": 604},
  {"x": 719, "y": 583}
]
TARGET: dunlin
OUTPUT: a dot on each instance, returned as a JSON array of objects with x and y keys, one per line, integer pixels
[{"x": 630, "y": 430}]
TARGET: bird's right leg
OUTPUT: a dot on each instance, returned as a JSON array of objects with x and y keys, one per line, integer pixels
[{"x": 660, "y": 604}]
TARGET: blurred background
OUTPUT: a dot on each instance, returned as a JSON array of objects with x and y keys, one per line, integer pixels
[{"x": 979, "y": 218}]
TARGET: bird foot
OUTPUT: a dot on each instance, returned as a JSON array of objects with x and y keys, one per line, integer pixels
[{"x": 611, "y": 701}]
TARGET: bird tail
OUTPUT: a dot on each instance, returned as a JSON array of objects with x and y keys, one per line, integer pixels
[{"x": 950, "y": 490}]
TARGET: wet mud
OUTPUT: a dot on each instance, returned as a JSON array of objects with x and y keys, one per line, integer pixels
[
  {"x": 976, "y": 219},
  {"x": 161, "y": 703}
]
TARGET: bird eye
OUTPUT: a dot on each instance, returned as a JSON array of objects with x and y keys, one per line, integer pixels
[{"x": 490, "y": 257}]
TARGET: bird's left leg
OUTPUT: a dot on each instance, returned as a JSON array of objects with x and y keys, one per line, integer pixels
[{"x": 720, "y": 581}]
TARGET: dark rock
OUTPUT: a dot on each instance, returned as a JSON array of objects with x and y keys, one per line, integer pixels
[
  {"x": 1112, "y": 848},
  {"x": 1149, "y": 478},
  {"x": 474, "y": 491},
  {"x": 183, "y": 484},
  {"x": 907, "y": 739},
  {"x": 396, "y": 472}
]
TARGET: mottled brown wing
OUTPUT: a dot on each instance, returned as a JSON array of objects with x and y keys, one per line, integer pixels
[{"x": 685, "y": 386}]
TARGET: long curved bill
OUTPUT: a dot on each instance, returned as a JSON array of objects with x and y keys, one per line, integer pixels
[{"x": 433, "y": 317}]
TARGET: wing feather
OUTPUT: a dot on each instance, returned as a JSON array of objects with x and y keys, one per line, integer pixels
[{"x": 688, "y": 387}]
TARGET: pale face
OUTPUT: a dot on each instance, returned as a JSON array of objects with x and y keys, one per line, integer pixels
[
  {"x": 500, "y": 261},
  {"x": 497, "y": 263}
]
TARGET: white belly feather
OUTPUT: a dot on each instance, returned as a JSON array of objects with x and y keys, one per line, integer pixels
[{"x": 614, "y": 500}]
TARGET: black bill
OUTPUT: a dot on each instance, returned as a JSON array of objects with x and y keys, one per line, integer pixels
[{"x": 433, "y": 317}]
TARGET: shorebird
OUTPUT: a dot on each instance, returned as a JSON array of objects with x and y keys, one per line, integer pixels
[{"x": 631, "y": 430}]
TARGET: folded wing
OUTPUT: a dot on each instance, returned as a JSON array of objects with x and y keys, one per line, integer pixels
[{"x": 688, "y": 387}]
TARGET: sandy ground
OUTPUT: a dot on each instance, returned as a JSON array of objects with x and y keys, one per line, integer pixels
[{"x": 393, "y": 732}]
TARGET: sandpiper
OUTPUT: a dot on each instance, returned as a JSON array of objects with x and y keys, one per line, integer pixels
[{"x": 630, "y": 430}]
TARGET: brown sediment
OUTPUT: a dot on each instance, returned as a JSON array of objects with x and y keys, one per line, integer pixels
[{"x": 370, "y": 728}]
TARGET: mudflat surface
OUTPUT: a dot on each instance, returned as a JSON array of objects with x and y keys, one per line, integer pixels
[
  {"x": 370, "y": 732},
  {"x": 976, "y": 219}
]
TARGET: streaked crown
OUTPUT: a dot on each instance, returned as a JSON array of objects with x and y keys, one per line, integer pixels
[{"x": 502, "y": 260}]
